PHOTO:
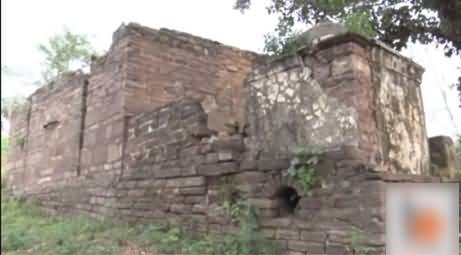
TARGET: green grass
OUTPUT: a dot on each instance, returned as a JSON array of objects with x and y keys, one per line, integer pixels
[
  {"x": 5, "y": 143},
  {"x": 26, "y": 231},
  {"x": 4, "y": 153}
]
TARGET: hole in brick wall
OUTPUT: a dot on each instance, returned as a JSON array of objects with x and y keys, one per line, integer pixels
[
  {"x": 287, "y": 198},
  {"x": 51, "y": 125},
  {"x": 235, "y": 196}
]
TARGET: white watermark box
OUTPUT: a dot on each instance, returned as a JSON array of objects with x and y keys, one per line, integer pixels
[{"x": 422, "y": 219}]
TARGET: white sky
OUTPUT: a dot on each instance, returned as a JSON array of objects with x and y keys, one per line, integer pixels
[{"x": 25, "y": 24}]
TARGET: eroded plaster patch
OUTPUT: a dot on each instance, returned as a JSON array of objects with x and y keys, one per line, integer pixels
[
  {"x": 290, "y": 107},
  {"x": 401, "y": 115}
]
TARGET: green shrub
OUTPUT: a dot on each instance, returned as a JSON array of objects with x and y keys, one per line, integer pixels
[
  {"x": 302, "y": 166},
  {"x": 24, "y": 228},
  {"x": 4, "y": 153},
  {"x": 26, "y": 231},
  {"x": 358, "y": 242},
  {"x": 248, "y": 241},
  {"x": 458, "y": 145}
]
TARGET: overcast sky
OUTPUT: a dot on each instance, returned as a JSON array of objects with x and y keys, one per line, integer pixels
[{"x": 25, "y": 24}]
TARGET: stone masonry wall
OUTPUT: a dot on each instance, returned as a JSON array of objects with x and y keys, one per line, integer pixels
[
  {"x": 51, "y": 138},
  {"x": 74, "y": 139},
  {"x": 287, "y": 105},
  {"x": 104, "y": 124},
  {"x": 137, "y": 139},
  {"x": 399, "y": 112},
  {"x": 19, "y": 122},
  {"x": 73, "y": 134},
  {"x": 165, "y": 65},
  {"x": 345, "y": 92},
  {"x": 177, "y": 171}
]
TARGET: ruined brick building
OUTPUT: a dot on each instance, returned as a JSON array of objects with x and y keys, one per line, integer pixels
[{"x": 165, "y": 120}]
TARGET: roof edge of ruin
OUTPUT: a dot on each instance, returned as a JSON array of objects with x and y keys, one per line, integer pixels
[
  {"x": 364, "y": 41},
  {"x": 133, "y": 27},
  {"x": 50, "y": 87},
  {"x": 331, "y": 41}
]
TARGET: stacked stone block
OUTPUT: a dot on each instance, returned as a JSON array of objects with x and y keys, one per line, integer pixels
[{"x": 347, "y": 91}]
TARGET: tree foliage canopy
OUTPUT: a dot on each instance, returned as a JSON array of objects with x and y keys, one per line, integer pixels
[
  {"x": 9, "y": 104},
  {"x": 395, "y": 22},
  {"x": 62, "y": 50}
]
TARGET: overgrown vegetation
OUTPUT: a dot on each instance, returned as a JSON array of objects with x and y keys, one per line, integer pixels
[
  {"x": 458, "y": 145},
  {"x": 285, "y": 40},
  {"x": 232, "y": 201},
  {"x": 26, "y": 231},
  {"x": 234, "y": 209},
  {"x": 5, "y": 144},
  {"x": 64, "y": 50},
  {"x": 4, "y": 154},
  {"x": 248, "y": 241},
  {"x": 359, "y": 22},
  {"x": 395, "y": 22},
  {"x": 302, "y": 166},
  {"x": 358, "y": 242},
  {"x": 282, "y": 45},
  {"x": 19, "y": 139},
  {"x": 11, "y": 104}
]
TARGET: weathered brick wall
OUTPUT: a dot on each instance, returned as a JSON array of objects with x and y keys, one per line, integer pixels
[
  {"x": 399, "y": 112},
  {"x": 136, "y": 138},
  {"x": 46, "y": 135},
  {"x": 104, "y": 115},
  {"x": 287, "y": 104},
  {"x": 164, "y": 65},
  {"x": 161, "y": 163},
  {"x": 177, "y": 171},
  {"x": 54, "y": 132},
  {"x": 345, "y": 92},
  {"x": 74, "y": 141},
  {"x": 180, "y": 172},
  {"x": 19, "y": 123}
]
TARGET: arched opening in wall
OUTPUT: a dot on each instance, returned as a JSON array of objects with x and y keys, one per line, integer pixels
[{"x": 287, "y": 200}]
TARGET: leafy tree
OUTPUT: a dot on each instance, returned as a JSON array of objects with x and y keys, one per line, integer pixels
[
  {"x": 395, "y": 22},
  {"x": 62, "y": 51},
  {"x": 9, "y": 104},
  {"x": 458, "y": 145}
]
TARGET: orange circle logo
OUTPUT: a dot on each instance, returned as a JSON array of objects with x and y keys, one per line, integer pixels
[{"x": 427, "y": 225}]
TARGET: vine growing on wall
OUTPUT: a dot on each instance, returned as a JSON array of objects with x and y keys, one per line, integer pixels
[
  {"x": 302, "y": 166},
  {"x": 19, "y": 139},
  {"x": 358, "y": 242},
  {"x": 248, "y": 241},
  {"x": 234, "y": 209},
  {"x": 458, "y": 145},
  {"x": 231, "y": 201}
]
